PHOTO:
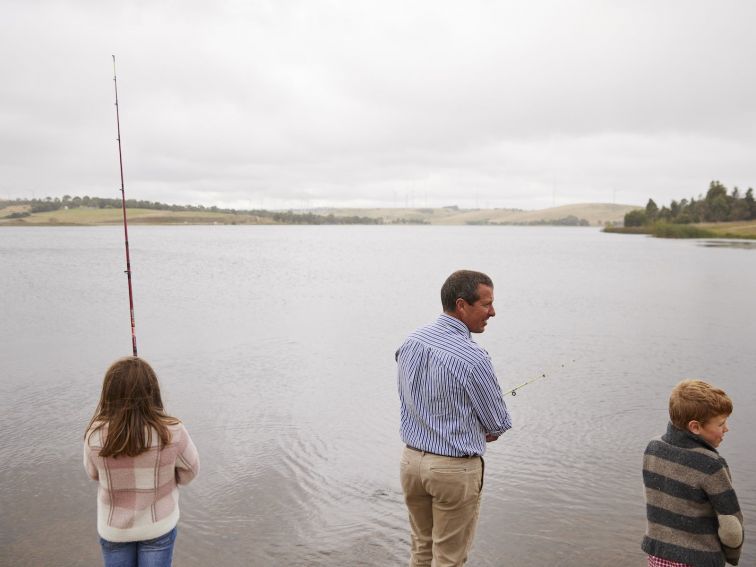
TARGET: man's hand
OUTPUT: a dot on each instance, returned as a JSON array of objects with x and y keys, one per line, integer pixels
[{"x": 490, "y": 437}]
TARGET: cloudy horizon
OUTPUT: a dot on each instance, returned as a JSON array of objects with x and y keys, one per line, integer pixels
[{"x": 295, "y": 104}]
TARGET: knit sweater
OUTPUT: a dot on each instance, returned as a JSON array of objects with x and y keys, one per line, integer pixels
[
  {"x": 137, "y": 497},
  {"x": 693, "y": 515}
]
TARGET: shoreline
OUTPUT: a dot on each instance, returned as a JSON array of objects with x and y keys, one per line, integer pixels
[{"x": 740, "y": 230}]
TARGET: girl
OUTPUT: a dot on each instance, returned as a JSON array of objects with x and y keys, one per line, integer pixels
[{"x": 139, "y": 455}]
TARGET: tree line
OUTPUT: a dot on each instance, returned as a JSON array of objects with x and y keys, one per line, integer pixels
[
  {"x": 47, "y": 204},
  {"x": 716, "y": 206},
  {"x": 570, "y": 220}
]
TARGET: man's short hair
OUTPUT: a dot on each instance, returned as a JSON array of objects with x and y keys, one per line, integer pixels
[
  {"x": 695, "y": 400},
  {"x": 464, "y": 284}
]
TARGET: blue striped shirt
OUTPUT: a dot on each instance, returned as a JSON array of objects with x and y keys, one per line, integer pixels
[{"x": 450, "y": 398}]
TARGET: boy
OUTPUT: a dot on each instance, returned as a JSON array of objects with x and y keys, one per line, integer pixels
[{"x": 694, "y": 519}]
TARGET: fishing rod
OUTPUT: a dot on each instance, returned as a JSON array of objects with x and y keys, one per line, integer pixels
[
  {"x": 513, "y": 391},
  {"x": 125, "y": 223}
]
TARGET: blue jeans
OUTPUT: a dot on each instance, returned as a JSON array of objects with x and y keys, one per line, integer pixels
[{"x": 156, "y": 552}]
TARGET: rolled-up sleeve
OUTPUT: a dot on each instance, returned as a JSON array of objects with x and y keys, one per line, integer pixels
[{"x": 485, "y": 394}]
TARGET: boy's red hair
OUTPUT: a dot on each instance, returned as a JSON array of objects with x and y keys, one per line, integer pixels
[{"x": 695, "y": 400}]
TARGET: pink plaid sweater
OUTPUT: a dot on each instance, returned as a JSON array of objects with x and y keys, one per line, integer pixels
[{"x": 137, "y": 497}]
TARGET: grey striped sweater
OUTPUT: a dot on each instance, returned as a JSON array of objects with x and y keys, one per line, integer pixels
[{"x": 692, "y": 513}]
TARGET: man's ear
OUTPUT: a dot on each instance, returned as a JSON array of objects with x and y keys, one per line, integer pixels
[{"x": 460, "y": 304}]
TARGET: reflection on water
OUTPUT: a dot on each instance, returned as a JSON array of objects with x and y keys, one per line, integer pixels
[
  {"x": 275, "y": 346},
  {"x": 744, "y": 244}
]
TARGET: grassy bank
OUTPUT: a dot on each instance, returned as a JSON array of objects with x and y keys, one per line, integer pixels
[{"x": 746, "y": 229}]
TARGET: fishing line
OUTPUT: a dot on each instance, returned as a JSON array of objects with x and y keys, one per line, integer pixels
[
  {"x": 125, "y": 223},
  {"x": 513, "y": 391}
]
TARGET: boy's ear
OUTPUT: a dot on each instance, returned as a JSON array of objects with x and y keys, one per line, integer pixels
[{"x": 694, "y": 427}]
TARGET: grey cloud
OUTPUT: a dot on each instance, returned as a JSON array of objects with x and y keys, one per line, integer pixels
[{"x": 497, "y": 103}]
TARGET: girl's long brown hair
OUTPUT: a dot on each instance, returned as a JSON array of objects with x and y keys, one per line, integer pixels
[{"x": 131, "y": 408}]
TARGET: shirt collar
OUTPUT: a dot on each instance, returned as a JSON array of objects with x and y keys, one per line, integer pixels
[
  {"x": 454, "y": 323},
  {"x": 685, "y": 438}
]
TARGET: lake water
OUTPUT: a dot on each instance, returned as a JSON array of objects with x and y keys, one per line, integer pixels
[{"x": 275, "y": 346}]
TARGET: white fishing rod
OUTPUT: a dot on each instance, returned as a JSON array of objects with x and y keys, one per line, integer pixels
[{"x": 513, "y": 391}]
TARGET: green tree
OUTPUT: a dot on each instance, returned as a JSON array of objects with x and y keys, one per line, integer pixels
[
  {"x": 716, "y": 189},
  {"x": 739, "y": 211},
  {"x": 751, "y": 203},
  {"x": 651, "y": 211},
  {"x": 717, "y": 204},
  {"x": 717, "y": 209},
  {"x": 635, "y": 218},
  {"x": 695, "y": 210},
  {"x": 674, "y": 209}
]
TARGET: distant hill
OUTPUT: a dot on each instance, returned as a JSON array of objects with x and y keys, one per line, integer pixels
[
  {"x": 51, "y": 212},
  {"x": 593, "y": 213}
]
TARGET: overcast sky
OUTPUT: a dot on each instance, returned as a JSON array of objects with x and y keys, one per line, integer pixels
[{"x": 288, "y": 103}]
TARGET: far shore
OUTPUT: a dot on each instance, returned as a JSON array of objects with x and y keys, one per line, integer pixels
[
  {"x": 85, "y": 216},
  {"x": 609, "y": 216},
  {"x": 588, "y": 214}
]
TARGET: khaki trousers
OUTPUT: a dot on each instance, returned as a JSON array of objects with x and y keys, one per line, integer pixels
[{"x": 443, "y": 498}]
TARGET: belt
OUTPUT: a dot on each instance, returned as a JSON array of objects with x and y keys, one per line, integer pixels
[{"x": 411, "y": 448}]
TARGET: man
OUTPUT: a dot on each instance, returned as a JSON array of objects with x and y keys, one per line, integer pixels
[{"x": 451, "y": 406}]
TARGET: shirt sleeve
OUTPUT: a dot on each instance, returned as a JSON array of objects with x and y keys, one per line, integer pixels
[
  {"x": 487, "y": 400},
  {"x": 718, "y": 487},
  {"x": 187, "y": 462},
  {"x": 89, "y": 465}
]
